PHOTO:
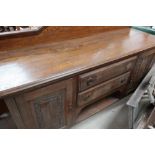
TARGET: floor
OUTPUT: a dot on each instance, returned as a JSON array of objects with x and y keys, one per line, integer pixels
[{"x": 113, "y": 117}]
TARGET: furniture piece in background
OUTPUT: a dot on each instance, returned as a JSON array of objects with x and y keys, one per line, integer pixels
[{"x": 141, "y": 103}]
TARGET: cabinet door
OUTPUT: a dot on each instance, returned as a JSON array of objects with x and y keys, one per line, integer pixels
[
  {"x": 144, "y": 63},
  {"x": 47, "y": 107}
]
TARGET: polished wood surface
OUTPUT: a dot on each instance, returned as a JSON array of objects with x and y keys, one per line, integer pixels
[
  {"x": 50, "y": 34},
  {"x": 28, "y": 67},
  {"x": 50, "y": 81}
]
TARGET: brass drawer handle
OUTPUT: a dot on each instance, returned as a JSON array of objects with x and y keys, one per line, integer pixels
[
  {"x": 123, "y": 80},
  {"x": 87, "y": 97},
  {"x": 91, "y": 80}
]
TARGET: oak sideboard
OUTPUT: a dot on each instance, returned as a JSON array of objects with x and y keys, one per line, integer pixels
[{"x": 55, "y": 85}]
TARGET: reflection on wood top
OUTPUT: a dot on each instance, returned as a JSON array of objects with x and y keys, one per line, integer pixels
[{"x": 24, "y": 68}]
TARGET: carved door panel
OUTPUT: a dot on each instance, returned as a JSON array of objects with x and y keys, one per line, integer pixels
[
  {"x": 47, "y": 107},
  {"x": 49, "y": 110},
  {"x": 143, "y": 65}
]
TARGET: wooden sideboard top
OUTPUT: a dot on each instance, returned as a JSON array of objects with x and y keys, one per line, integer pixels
[{"x": 30, "y": 67}]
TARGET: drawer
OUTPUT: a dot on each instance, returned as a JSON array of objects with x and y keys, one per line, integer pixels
[
  {"x": 97, "y": 76},
  {"x": 102, "y": 90}
]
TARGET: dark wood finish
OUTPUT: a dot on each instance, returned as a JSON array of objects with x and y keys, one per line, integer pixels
[
  {"x": 39, "y": 65},
  {"x": 92, "y": 78},
  {"x": 14, "y": 110},
  {"x": 144, "y": 63},
  {"x": 50, "y": 34},
  {"x": 102, "y": 90},
  {"x": 41, "y": 73},
  {"x": 3, "y": 107},
  {"x": 47, "y": 107},
  {"x": 7, "y": 123}
]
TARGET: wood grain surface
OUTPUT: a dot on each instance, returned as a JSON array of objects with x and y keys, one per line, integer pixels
[
  {"x": 25, "y": 68},
  {"x": 50, "y": 34}
]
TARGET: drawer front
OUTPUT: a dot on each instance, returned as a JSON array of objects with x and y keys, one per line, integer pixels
[
  {"x": 106, "y": 73},
  {"x": 102, "y": 90}
]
